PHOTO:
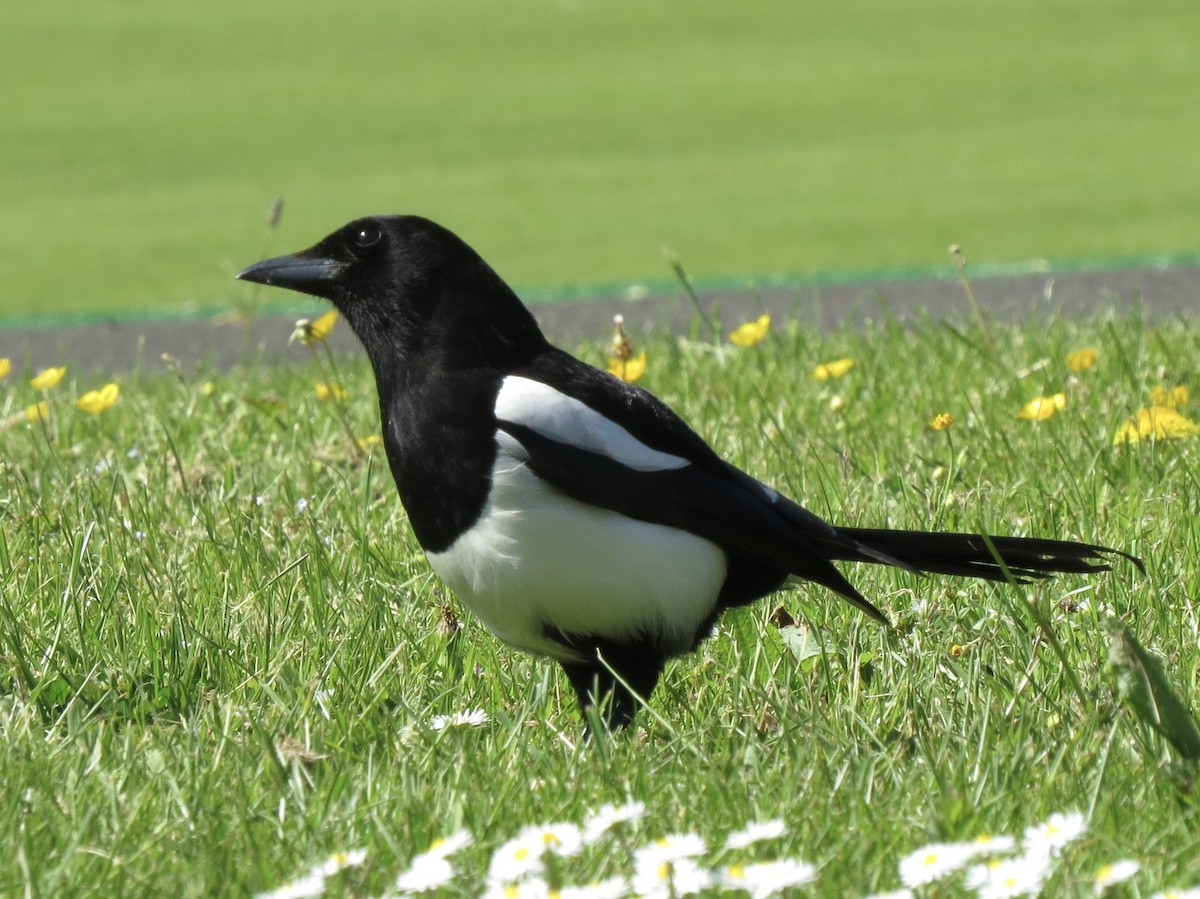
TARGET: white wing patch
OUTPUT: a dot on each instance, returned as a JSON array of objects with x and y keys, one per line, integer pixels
[
  {"x": 537, "y": 559},
  {"x": 559, "y": 417}
]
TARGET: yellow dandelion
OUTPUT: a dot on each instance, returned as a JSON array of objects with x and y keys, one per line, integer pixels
[
  {"x": 957, "y": 650},
  {"x": 628, "y": 370},
  {"x": 1082, "y": 360},
  {"x": 1043, "y": 407},
  {"x": 331, "y": 392},
  {"x": 942, "y": 421},
  {"x": 5, "y": 366},
  {"x": 36, "y": 412},
  {"x": 313, "y": 331},
  {"x": 1169, "y": 399},
  {"x": 1157, "y": 423},
  {"x": 323, "y": 325},
  {"x": 369, "y": 442},
  {"x": 750, "y": 333},
  {"x": 96, "y": 401},
  {"x": 829, "y": 370},
  {"x": 48, "y": 378}
]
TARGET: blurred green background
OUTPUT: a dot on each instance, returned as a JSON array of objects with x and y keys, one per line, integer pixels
[{"x": 142, "y": 143}]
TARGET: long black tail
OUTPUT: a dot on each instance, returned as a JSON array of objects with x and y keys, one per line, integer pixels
[{"x": 975, "y": 555}]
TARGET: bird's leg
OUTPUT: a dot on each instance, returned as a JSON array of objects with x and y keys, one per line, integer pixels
[
  {"x": 614, "y": 690},
  {"x": 597, "y": 689}
]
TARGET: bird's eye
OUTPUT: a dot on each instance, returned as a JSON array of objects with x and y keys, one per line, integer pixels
[{"x": 366, "y": 238}]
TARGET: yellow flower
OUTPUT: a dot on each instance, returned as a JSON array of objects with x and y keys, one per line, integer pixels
[
  {"x": 48, "y": 378},
  {"x": 1157, "y": 423},
  {"x": 1043, "y": 407},
  {"x": 5, "y": 366},
  {"x": 629, "y": 369},
  {"x": 942, "y": 421},
  {"x": 323, "y": 325},
  {"x": 1082, "y": 360},
  {"x": 96, "y": 401},
  {"x": 957, "y": 650},
  {"x": 751, "y": 333},
  {"x": 1169, "y": 399},
  {"x": 331, "y": 391},
  {"x": 827, "y": 370},
  {"x": 366, "y": 443},
  {"x": 311, "y": 331},
  {"x": 36, "y": 412}
]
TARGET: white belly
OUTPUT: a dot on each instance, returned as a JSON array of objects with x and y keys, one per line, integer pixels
[{"x": 538, "y": 559}]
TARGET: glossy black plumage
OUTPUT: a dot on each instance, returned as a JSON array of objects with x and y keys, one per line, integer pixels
[{"x": 522, "y": 470}]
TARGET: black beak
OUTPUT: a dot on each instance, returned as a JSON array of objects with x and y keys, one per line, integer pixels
[{"x": 311, "y": 276}]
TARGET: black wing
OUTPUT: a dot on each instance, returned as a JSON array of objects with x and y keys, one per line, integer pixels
[{"x": 766, "y": 537}]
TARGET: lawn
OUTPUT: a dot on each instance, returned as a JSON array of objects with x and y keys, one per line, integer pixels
[
  {"x": 224, "y": 654},
  {"x": 571, "y": 141}
]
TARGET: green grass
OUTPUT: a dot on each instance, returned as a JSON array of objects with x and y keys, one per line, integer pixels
[
  {"x": 569, "y": 141},
  {"x": 223, "y": 648}
]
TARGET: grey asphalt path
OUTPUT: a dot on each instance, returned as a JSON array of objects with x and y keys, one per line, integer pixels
[{"x": 119, "y": 347}]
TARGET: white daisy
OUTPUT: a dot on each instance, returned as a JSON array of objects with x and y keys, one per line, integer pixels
[
  {"x": 556, "y": 838},
  {"x": 339, "y": 861},
  {"x": 1192, "y": 893},
  {"x": 609, "y": 816},
  {"x": 755, "y": 832},
  {"x": 445, "y": 846},
  {"x": 313, "y": 883},
  {"x": 1056, "y": 832},
  {"x": 933, "y": 862},
  {"x": 662, "y": 878},
  {"x": 688, "y": 878},
  {"x": 765, "y": 879},
  {"x": 1024, "y": 875},
  {"x": 426, "y": 872},
  {"x": 469, "y": 718},
  {"x": 892, "y": 894},
  {"x": 989, "y": 844},
  {"x": 307, "y": 886},
  {"x": 671, "y": 848},
  {"x": 1107, "y": 875},
  {"x": 516, "y": 859},
  {"x": 431, "y": 869}
]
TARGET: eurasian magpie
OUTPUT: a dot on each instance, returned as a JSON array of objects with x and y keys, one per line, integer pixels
[{"x": 576, "y": 515}]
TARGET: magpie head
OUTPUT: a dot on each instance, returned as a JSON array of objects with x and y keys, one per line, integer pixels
[
  {"x": 408, "y": 287},
  {"x": 379, "y": 260}
]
